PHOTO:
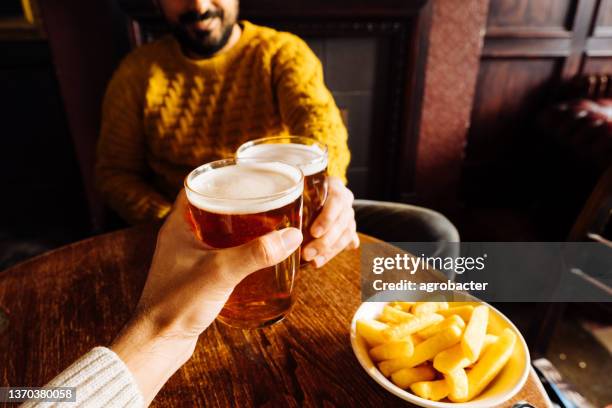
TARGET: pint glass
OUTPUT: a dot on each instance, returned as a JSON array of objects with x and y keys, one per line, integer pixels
[
  {"x": 234, "y": 201},
  {"x": 306, "y": 153}
]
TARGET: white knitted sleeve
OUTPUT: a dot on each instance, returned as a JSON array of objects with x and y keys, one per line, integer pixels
[{"x": 101, "y": 380}]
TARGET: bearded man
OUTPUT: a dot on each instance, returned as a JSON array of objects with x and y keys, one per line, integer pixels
[{"x": 196, "y": 95}]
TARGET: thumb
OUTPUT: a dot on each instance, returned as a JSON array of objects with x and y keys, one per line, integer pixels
[{"x": 262, "y": 252}]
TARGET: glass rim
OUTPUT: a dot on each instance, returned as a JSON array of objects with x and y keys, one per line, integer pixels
[
  {"x": 234, "y": 161},
  {"x": 290, "y": 138}
]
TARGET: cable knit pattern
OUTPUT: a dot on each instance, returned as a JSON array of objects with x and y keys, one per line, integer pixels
[
  {"x": 101, "y": 380},
  {"x": 165, "y": 114}
]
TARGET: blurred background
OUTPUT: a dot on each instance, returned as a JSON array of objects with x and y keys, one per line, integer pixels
[{"x": 493, "y": 112}]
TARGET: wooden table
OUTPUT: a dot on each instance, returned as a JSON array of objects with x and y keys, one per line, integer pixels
[{"x": 65, "y": 302}]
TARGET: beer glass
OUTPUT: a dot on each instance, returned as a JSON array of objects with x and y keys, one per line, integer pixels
[
  {"x": 304, "y": 152},
  {"x": 234, "y": 201}
]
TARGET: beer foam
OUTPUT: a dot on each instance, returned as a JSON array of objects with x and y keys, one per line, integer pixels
[
  {"x": 245, "y": 188},
  {"x": 309, "y": 158}
]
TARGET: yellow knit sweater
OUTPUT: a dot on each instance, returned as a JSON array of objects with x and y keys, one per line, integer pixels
[{"x": 165, "y": 114}]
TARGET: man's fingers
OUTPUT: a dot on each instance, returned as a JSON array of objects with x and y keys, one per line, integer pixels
[
  {"x": 331, "y": 209},
  {"x": 260, "y": 253},
  {"x": 343, "y": 241},
  {"x": 339, "y": 198},
  {"x": 321, "y": 245},
  {"x": 355, "y": 242}
]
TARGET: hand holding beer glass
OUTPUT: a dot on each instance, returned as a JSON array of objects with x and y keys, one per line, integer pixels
[
  {"x": 327, "y": 202},
  {"x": 234, "y": 201}
]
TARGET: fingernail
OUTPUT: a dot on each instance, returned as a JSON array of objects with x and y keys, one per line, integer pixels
[
  {"x": 291, "y": 238},
  {"x": 319, "y": 261},
  {"x": 309, "y": 253},
  {"x": 317, "y": 232}
]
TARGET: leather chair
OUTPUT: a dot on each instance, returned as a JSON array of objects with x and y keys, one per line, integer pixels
[{"x": 398, "y": 222}]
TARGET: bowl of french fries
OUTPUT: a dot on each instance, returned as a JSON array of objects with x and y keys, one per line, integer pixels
[{"x": 441, "y": 354}]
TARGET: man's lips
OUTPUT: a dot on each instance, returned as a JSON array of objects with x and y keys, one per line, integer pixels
[{"x": 207, "y": 24}]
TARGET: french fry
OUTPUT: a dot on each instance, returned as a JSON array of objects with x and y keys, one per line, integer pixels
[
  {"x": 434, "y": 329},
  {"x": 423, "y": 351},
  {"x": 455, "y": 358},
  {"x": 393, "y": 315},
  {"x": 431, "y": 390},
  {"x": 405, "y": 306},
  {"x": 411, "y": 326},
  {"x": 405, "y": 377},
  {"x": 464, "y": 312},
  {"x": 489, "y": 339},
  {"x": 475, "y": 332},
  {"x": 457, "y": 381},
  {"x": 392, "y": 349},
  {"x": 371, "y": 331},
  {"x": 435, "y": 344},
  {"x": 416, "y": 339},
  {"x": 490, "y": 364},
  {"x": 451, "y": 359},
  {"x": 389, "y": 367},
  {"x": 422, "y": 308}
]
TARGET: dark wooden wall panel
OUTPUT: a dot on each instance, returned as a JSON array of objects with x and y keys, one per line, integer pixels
[
  {"x": 43, "y": 199},
  {"x": 530, "y": 13},
  {"x": 595, "y": 65},
  {"x": 531, "y": 47},
  {"x": 604, "y": 18},
  {"x": 508, "y": 90}
]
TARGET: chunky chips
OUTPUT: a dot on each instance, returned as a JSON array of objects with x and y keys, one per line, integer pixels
[{"x": 437, "y": 350}]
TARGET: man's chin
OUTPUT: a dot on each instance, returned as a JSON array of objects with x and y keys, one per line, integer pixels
[{"x": 202, "y": 43}]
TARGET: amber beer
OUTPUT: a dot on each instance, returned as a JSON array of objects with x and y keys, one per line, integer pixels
[
  {"x": 306, "y": 153},
  {"x": 234, "y": 201}
]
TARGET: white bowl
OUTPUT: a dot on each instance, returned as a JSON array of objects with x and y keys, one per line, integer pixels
[{"x": 507, "y": 383}]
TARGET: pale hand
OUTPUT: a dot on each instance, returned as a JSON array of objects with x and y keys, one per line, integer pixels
[{"x": 185, "y": 290}]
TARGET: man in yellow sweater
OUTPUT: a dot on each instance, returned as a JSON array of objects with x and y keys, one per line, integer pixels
[{"x": 195, "y": 96}]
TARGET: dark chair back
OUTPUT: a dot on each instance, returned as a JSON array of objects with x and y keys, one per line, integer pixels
[{"x": 87, "y": 39}]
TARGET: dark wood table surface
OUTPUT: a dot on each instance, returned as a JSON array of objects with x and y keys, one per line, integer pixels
[{"x": 62, "y": 303}]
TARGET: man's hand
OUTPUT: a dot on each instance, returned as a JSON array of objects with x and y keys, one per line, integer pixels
[{"x": 335, "y": 228}]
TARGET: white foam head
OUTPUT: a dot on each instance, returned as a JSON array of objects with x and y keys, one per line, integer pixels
[
  {"x": 244, "y": 186},
  {"x": 311, "y": 159}
]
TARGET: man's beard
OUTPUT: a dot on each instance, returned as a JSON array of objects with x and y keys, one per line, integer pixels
[{"x": 202, "y": 44}]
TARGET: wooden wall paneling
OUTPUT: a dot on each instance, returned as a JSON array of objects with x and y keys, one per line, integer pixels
[
  {"x": 86, "y": 40},
  {"x": 536, "y": 14},
  {"x": 597, "y": 65},
  {"x": 42, "y": 192},
  {"x": 510, "y": 92},
  {"x": 530, "y": 48},
  {"x": 581, "y": 29},
  {"x": 598, "y": 58},
  {"x": 603, "y": 24}
]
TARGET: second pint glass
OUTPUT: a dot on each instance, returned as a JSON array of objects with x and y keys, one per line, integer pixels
[
  {"x": 234, "y": 201},
  {"x": 309, "y": 155}
]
